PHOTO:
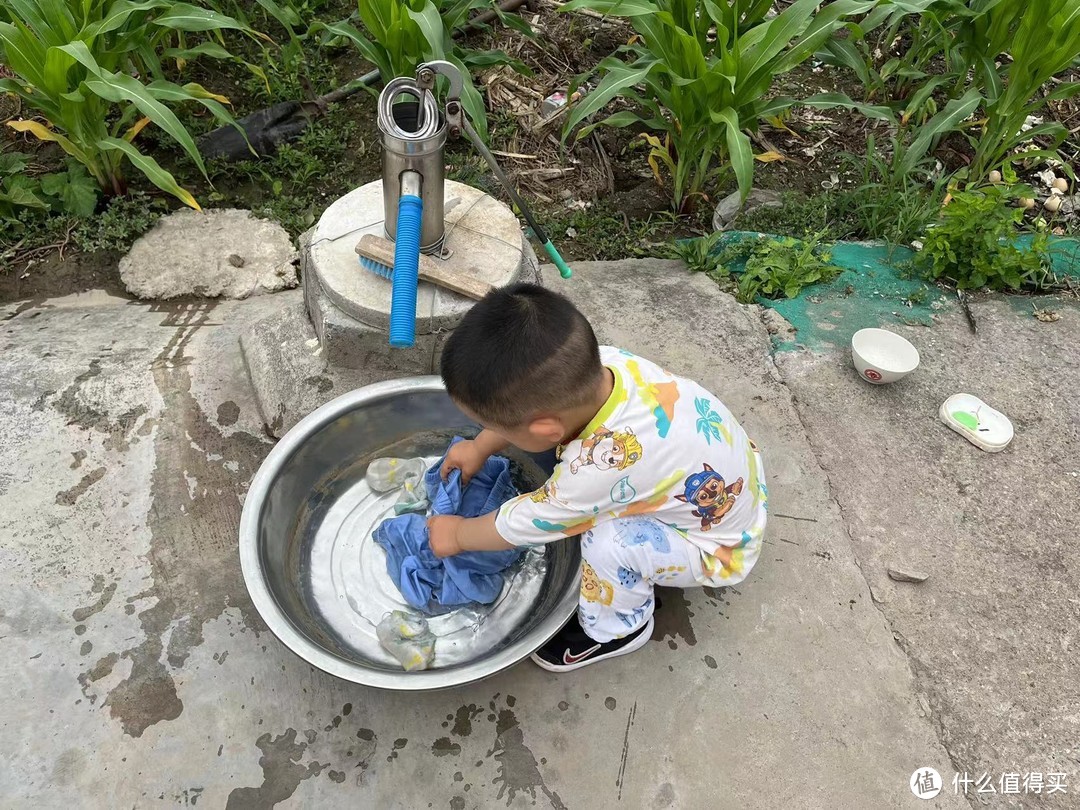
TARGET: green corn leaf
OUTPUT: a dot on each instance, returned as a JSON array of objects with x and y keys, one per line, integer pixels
[
  {"x": 844, "y": 53},
  {"x": 829, "y": 101},
  {"x": 1063, "y": 91},
  {"x": 210, "y": 49},
  {"x": 117, "y": 16},
  {"x": 924, "y": 93},
  {"x": 118, "y": 87},
  {"x": 285, "y": 15},
  {"x": 151, "y": 168},
  {"x": 617, "y": 77},
  {"x": 184, "y": 17},
  {"x": 23, "y": 53},
  {"x": 373, "y": 53},
  {"x": 431, "y": 25},
  {"x": 52, "y": 23},
  {"x": 940, "y": 125},
  {"x": 167, "y": 91},
  {"x": 614, "y": 8},
  {"x": 739, "y": 151},
  {"x": 991, "y": 78}
]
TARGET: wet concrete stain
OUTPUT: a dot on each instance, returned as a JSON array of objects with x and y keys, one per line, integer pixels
[
  {"x": 563, "y": 705},
  {"x": 106, "y": 594},
  {"x": 445, "y": 747},
  {"x": 192, "y": 555},
  {"x": 399, "y": 744},
  {"x": 320, "y": 382},
  {"x": 369, "y": 744},
  {"x": 610, "y": 703},
  {"x": 518, "y": 769},
  {"x": 673, "y": 619},
  {"x": 86, "y": 648},
  {"x": 463, "y": 718},
  {"x": 336, "y": 776},
  {"x": 282, "y": 773},
  {"x": 102, "y": 669},
  {"x": 228, "y": 413},
  {"x": 78, "y": 457},
  {"x": 118, "y": 432},
  {"x": 710, "y": 662},
  {"x": 457, "y": 803},
  {"x": 68, "y": 496}
]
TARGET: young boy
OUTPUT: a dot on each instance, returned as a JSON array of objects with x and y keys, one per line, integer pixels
[{"x": 655, "y": 476}]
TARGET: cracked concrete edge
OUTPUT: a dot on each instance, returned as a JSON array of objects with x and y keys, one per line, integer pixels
[{"x": 920, "y": 675}]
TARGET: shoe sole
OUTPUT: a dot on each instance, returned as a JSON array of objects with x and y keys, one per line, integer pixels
[{"x": 643, "y": 638}]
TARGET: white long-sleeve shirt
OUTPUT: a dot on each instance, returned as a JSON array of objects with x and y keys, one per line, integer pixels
[{"x": 663, "y": 447}]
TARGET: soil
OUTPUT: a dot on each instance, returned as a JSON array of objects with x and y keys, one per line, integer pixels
[{"x": 53, "y": 277}]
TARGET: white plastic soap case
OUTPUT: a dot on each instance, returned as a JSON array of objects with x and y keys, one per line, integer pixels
[{"x": 984, "y": 427}]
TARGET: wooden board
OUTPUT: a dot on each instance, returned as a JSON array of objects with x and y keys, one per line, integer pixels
[{"x": 382, "y": 250}]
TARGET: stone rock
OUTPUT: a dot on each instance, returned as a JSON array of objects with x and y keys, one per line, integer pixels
[
  {"x": 220, "y": 253},
  {"x": 728, "y": 208},
  {"x": 907, "y": 574}
]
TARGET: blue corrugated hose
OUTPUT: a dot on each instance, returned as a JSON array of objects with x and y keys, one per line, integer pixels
[{"x": 406, "y": 269}]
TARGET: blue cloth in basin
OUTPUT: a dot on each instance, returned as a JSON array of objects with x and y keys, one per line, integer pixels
[{"x": 427, "y": 582}]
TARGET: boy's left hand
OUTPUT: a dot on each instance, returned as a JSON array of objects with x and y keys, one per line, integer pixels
[{"x": 443, "y": 535}]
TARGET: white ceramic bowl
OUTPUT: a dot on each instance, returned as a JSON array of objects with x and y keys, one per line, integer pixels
[{"x": 881, "y": 356}]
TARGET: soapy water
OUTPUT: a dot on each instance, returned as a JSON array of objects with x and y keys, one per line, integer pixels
[{"x": 350, "y": 588}]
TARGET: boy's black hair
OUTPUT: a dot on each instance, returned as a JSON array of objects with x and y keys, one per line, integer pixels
[{"x": 521, "y": 351}]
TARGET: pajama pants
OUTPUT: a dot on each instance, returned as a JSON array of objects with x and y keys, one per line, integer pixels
[{"x": 621, "y": 562}]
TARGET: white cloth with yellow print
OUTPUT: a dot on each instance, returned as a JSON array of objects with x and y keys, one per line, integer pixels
[{"x": 662, "y": 448}]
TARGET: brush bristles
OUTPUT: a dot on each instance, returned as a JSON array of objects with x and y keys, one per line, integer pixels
[{"x": 378, "y": 268}]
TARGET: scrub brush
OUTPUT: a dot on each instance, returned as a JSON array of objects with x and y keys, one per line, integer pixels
[{"x": 377, "y": 256}]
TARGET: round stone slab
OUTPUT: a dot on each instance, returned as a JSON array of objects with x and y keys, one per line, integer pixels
[{"x": 483, "y": 237}]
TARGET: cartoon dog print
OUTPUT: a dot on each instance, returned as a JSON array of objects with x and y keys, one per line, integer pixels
[
  {"x": 594, "y": 589},
  {"x": 706, "y": 491},
  {"x": 608, "y": 450}
]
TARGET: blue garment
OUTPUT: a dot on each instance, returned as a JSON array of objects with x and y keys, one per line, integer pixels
[{"x": 427, "y": 582}]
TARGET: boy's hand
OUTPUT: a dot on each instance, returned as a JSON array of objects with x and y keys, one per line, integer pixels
[
  {"x": 465, "y": 456},
  {"x": 443, "y": 534}
]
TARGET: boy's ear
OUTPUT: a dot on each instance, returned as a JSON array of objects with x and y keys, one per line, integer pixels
[
  {"x": 681, "y": 498},
  {"x": 547, "y": 428}
]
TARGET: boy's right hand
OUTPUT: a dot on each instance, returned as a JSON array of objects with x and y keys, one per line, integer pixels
[{"x": 465, "y": 456}]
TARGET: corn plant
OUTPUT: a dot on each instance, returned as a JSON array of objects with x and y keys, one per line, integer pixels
[
  {"x": 699, "y": 74},
  {"x": 402, "y": 34},
  {"x": 76, "y": 63},
  {"x": 923, "y": 29},
  {"x": 967, "y": 38},
  {"x": 1043, "y": 40}
]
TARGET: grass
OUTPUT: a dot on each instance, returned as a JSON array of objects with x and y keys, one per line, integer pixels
[
  {"x": 799, "y": 215},
  {"x": 600, "y": 233}
]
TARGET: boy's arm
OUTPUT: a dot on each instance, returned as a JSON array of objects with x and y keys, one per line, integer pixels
[
  {"x": 490, "y": 442},
  {"x": 451, "y": 534}
]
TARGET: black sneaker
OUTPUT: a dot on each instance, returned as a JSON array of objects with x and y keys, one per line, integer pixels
[{"x": 573, "y": 649}]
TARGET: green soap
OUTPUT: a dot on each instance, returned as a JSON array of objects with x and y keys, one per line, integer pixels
[{"x": 968, "y": 420}]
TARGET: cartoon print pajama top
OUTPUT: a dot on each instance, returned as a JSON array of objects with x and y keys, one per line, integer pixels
[{"x": 663, "y": 486}]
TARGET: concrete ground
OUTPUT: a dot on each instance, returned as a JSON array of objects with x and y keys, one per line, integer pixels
[{"x": 136, "y": 672}]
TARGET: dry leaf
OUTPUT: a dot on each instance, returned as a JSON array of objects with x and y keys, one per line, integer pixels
[{"x": 1046, "y": 315}]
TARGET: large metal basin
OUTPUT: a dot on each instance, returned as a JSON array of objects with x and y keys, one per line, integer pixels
[{"x": 292, "y": 534}]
